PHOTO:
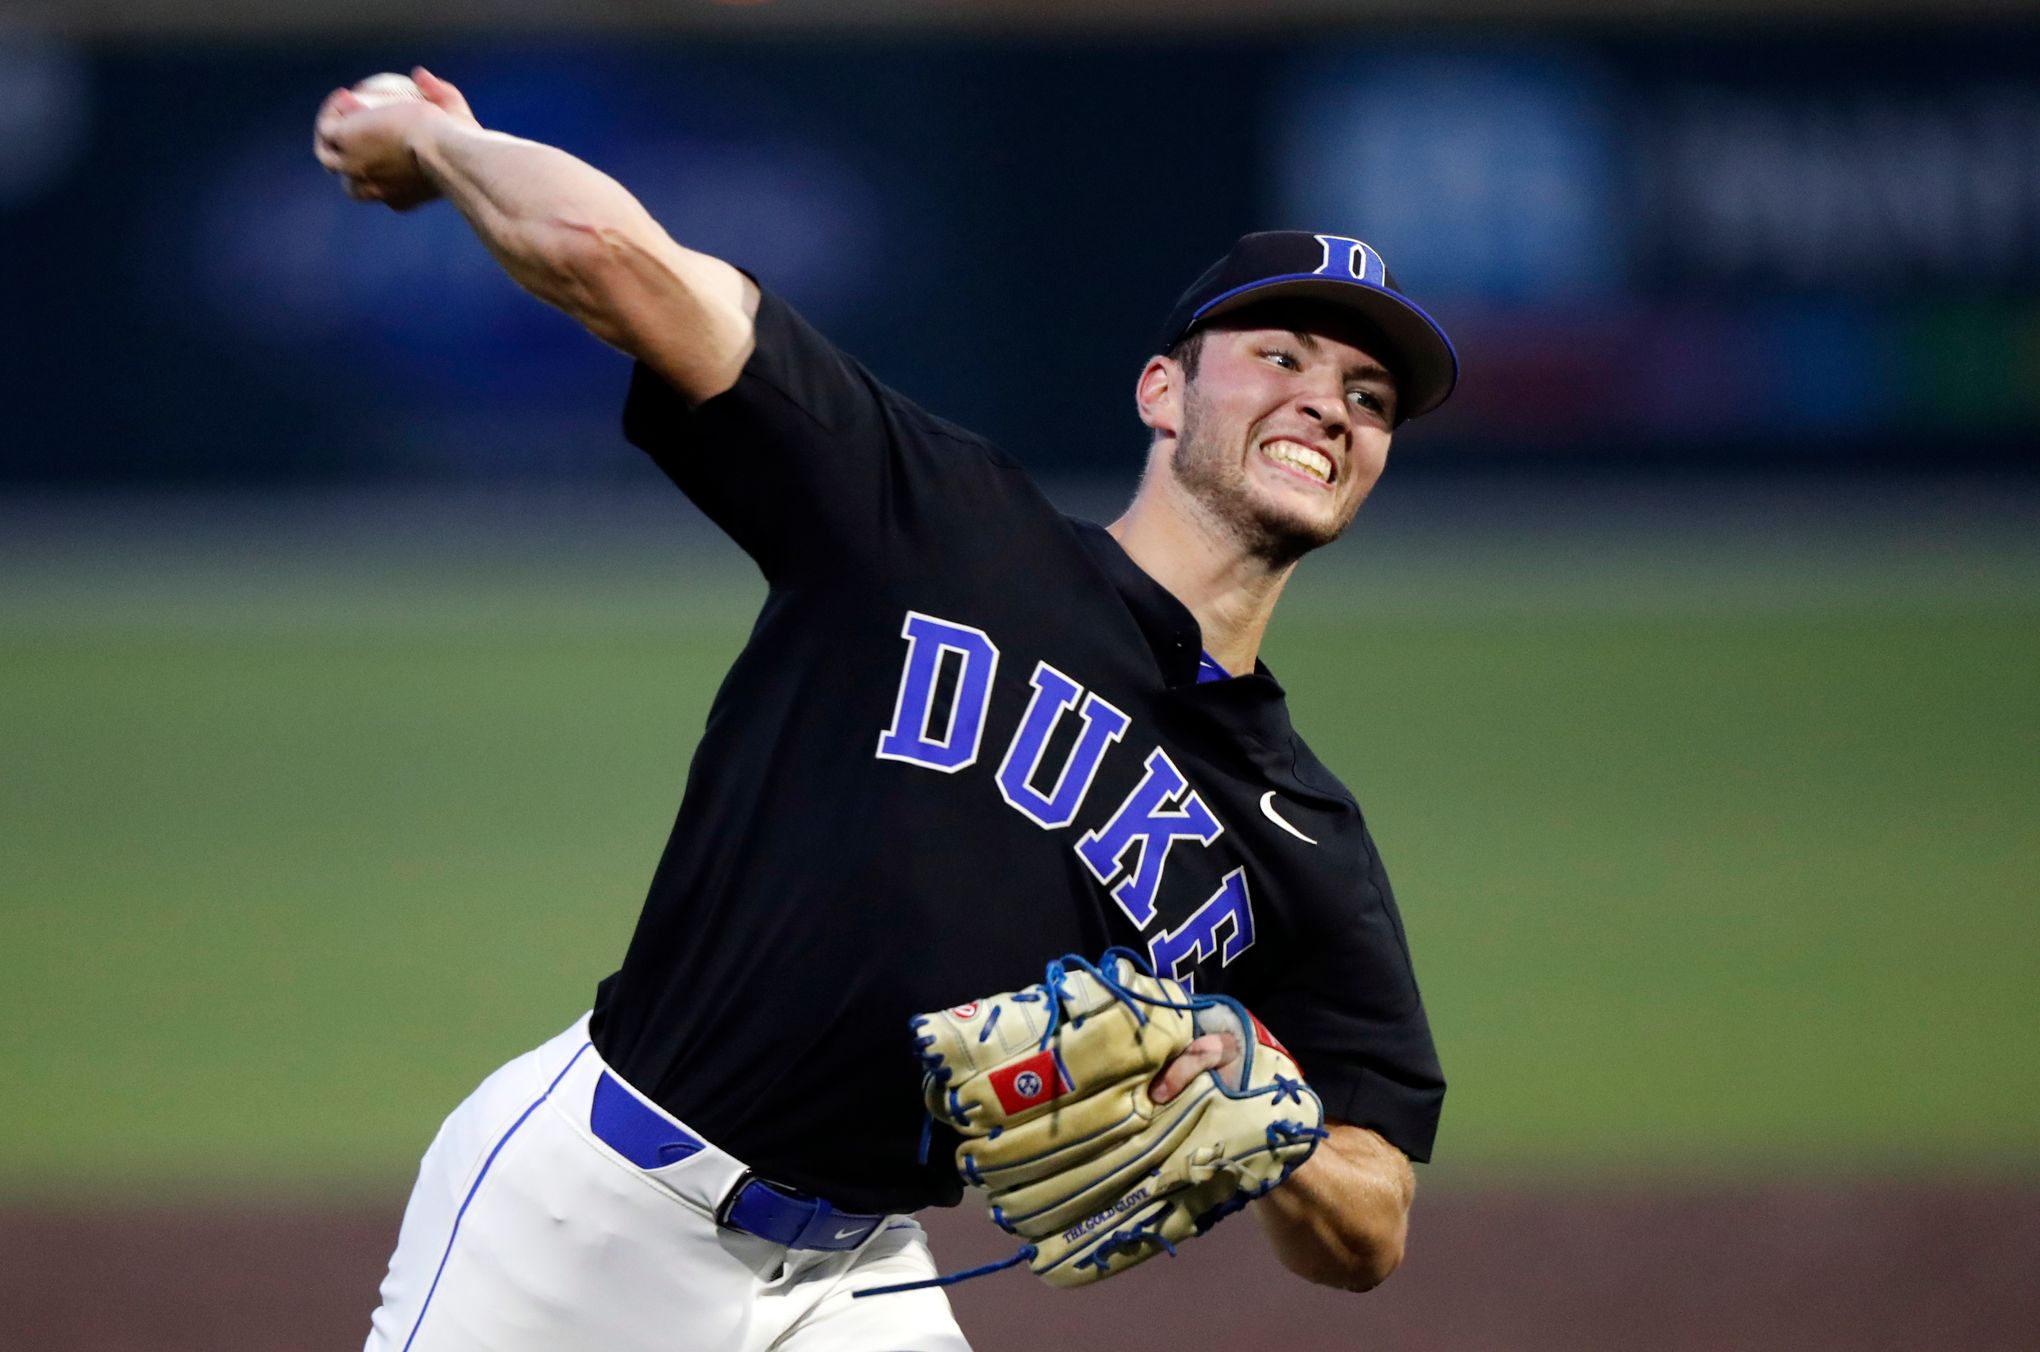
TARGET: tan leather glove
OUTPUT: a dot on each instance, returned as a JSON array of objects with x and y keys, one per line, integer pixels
[{"x": 1049, "y": 1088}]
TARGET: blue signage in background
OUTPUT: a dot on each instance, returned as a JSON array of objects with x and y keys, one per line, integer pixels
[
  {"x": 1643, "y": 246},
  {"x": 414, "y": 309},
  {"x": 280, "y": 253},
  {"x": 1484, "y": 175},
  {"x": 1828, "y": 181}
]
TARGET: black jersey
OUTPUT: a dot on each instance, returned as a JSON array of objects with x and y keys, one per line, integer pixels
[{"x": 966, "y": 736}]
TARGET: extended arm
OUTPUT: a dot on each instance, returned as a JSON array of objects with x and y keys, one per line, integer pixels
[
  {"x": 564, "y": 231},
  {"x": 1343, "y": 1217}
]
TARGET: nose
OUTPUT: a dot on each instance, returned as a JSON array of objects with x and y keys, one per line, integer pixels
[{"x": 1332, "y": 413}]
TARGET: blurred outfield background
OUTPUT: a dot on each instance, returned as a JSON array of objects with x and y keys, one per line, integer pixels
[
  {"x": 1711, "y": 808},
  {"x": 1688, "y": 665}
]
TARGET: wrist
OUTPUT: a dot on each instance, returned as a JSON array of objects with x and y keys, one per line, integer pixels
[{"x": 425, "y": 139}]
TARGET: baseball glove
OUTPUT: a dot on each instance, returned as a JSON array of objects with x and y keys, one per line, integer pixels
[{"x": 1048, "y": 1087}]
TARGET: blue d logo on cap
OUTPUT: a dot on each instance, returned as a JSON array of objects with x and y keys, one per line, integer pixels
[{"x": 1360, "y": 262}]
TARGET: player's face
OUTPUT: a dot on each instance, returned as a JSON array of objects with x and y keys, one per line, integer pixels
[{"x": 1284, "y": 431}]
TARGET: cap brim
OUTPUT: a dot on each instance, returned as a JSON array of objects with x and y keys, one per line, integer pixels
[{"x": 1423, "y": 358}]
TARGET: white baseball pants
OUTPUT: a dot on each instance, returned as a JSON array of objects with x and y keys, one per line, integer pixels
[{"x": 525, "y": 1233}]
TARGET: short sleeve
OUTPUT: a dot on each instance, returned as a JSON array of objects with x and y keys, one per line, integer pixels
[
  {"x": 1348, "y": 1007},
  {"x": 792, "y": 460}
]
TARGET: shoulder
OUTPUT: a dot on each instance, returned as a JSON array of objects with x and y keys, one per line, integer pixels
[
  {"x": 803, "y": 365},
  {"x": 918, "y": 422},
  {"x": 1314, "y": 774}
]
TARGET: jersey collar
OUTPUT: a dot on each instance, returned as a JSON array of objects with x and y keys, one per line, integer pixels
[
  {"x": 1170, "y": 628},
  {"x": 1253, "y": 710}
]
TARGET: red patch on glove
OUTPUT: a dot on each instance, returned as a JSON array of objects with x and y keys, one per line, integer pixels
[
  {"x": 1029, "y": 1084},
  {"x": 1267, "y": 1038}
]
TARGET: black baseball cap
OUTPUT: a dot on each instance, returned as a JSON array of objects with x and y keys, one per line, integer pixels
[{"x": 1336, "y": 270}]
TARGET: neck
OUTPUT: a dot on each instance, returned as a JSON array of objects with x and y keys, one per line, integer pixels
[{"x": 1230, "y": 591}]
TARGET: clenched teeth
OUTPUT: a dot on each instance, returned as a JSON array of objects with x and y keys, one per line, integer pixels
[{"x": 1314, "y": 463}]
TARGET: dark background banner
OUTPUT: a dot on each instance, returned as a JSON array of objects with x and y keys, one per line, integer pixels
[{"x": 1798, "y": 248}]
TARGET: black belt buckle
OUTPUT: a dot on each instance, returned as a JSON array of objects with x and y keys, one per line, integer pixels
[{"x": 722, "y": 1208}]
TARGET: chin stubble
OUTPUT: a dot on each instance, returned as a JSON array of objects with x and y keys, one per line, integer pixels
[{"x": 1217, "y": 482}]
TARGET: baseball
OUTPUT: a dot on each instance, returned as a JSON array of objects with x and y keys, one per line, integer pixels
[{"x": 378, "y": 90}]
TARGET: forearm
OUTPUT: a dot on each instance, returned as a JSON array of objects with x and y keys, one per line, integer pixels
[
  {"x": 578, "y": 240},
  {"x": 1343, "y": 1218}
]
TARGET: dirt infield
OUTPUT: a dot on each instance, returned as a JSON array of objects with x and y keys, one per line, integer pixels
[{"x": 1863, "y": 1268}]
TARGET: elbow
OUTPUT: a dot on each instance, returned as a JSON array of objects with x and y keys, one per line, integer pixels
[
  {"x": 1375, "y": 1262},
  {"x": 1344, "y": 1220},
  {"x": 1365, "y": 1261},
  {"x": 1350, "y": 1257}
]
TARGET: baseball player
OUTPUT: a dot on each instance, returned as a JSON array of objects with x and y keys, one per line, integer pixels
[{"x": 968, "y": 734}]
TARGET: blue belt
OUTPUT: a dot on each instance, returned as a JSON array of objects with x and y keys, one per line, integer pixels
[{"x": 757, "y": 1206}]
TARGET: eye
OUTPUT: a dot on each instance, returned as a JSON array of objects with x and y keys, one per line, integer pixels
[
  {"x": 1283, "y": 358},
  {"x": 1368, "y": 399}
]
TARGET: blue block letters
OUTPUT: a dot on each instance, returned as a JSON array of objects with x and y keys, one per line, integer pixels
[
  {"x": 1132, "y": 847},
  {"x": 1146, "y": 822},
  {"x": 1176, "y": 952},
  {"x": 929, "y": 640},
  {"x": 1054, "y": 694}
]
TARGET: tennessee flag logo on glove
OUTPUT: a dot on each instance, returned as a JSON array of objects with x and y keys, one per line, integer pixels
[
  {"x": 1028, "y": 1083},
  {"x": 1048, "y": 1087}
]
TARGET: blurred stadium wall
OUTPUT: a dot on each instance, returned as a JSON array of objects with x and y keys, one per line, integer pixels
[{"x": 1807, "y": 245}]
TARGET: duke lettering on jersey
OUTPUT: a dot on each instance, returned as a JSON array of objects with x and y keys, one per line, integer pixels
[
  {"x": 1175, "y": 952},
  {"x": 1133, "y": 844},
  {"x": 1055, "y": 694},
  {"x": 929, "y": 642},
  {"x": 1146, "y": 822}
]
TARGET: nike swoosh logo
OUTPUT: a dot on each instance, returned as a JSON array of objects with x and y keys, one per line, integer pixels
[
  {"x": 1268, "y": 811},
  {"x": 845, "y": 1234}
]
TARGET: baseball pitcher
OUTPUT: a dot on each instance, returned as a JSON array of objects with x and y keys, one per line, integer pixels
[{"x": 999, "y": 865}]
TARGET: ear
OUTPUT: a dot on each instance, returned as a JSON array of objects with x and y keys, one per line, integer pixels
[{"x": 1158, "y": 395}]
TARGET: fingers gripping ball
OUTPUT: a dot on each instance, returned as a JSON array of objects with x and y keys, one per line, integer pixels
[{"x": 1048, "y": 1087}]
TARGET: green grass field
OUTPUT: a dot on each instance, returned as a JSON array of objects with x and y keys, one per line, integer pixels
[{"x": 1717, "y": 858}]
